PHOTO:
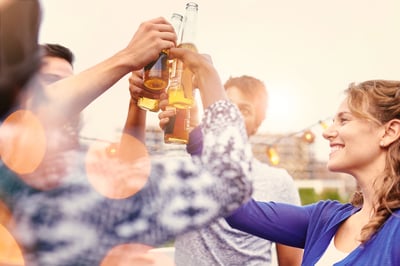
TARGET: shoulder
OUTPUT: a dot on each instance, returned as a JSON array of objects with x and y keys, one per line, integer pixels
[
  {"x": 273, "y": 184},
  {"x": 263, "y": 171}
]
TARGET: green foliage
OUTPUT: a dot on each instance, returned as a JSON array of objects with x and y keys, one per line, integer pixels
[
  {"x": 331, "y": 194},
  {"x": 308, "y": 195}
]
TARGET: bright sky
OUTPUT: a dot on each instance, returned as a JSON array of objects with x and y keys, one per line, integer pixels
[{"x": 306, "y": 52}]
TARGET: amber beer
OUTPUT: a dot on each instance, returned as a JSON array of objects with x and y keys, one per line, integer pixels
[
  {"x": 156, "y": 74},
  {"x": 177, "y": 129},
  {"x": 180, "y": 91},
  {"x": 155, "y": 80}
]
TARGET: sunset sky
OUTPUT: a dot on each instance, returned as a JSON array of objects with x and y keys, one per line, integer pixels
[{"x": 306, "y": 52}]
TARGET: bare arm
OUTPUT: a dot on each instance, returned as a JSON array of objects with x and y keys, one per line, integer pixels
[
  {"x": 70, "y": 96},
  {"x": 288, "y": 256},
  {"x": 135, "y": 124}
]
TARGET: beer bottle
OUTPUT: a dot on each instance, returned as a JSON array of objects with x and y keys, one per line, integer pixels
[
  {"x": 180, "y": 90},
  {"x": 177, "y": 129},
  {"x": 156, "y": 74}
]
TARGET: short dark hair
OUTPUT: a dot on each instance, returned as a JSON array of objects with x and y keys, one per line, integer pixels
[
  {"x": 58, "y": 50},
  {"x": 19, "y": 49}
]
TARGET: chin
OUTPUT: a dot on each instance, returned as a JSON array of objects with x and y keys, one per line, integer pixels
[{"x": 334, "y": 167}]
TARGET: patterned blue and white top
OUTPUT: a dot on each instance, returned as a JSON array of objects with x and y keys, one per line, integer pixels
[{"x": 73, "y": 224}]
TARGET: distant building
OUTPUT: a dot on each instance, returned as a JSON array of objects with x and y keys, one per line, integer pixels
[{"x": 296, "y": 156}]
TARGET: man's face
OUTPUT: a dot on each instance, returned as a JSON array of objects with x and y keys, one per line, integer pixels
[
  {"x": 53, "y": 69},
  {"x": 247, "y": 107}
]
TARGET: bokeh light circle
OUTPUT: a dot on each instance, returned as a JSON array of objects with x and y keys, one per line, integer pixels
[
  {"x": 118, "y": 171},
  {"x": 135, "y": 254},
  {"x": 23, "y": 142}
]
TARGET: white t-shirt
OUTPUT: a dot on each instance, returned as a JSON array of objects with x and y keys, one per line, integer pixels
[
  {"x": 331, "y": 255},
  {"x": 219, "y": 244}
]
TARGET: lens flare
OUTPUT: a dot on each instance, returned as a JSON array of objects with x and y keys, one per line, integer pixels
[
  {"x": 118, "y": 171},
  {"x": 135, "y": 254},
  {"x": 10, "y": 252},
  {"x": 23, "y": 142}
]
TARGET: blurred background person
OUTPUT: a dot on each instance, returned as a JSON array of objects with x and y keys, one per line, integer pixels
[{"x": 218, "y": 243}]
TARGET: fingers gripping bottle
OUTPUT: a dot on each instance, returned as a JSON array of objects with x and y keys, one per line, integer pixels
[{"x": 156, "y": 74}]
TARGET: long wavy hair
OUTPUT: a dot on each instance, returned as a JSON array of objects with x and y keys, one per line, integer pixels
[{"x": 379, "y": 102}]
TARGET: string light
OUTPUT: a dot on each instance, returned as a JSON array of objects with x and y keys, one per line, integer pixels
[
  {"x": 273, "y": 155},
  {"x": 323, "y": 124},
  {"x": 306, "y": 135}
]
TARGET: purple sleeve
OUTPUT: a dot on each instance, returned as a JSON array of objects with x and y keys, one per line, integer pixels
[
  {"x": 195, "y": 145},
  {"x": 279, "y": 222}
]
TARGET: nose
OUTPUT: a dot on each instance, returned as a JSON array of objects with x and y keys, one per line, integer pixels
[{"x": 330, "y": 132}]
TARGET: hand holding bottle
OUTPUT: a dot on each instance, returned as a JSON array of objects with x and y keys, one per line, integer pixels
[
  {"x": 151, "y": 37},
  {"x": 157, "y": 73},
  {"x": 206, "y": 76}
]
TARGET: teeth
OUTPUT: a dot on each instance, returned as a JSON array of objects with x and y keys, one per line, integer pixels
[{"x": 336, "y": 148}]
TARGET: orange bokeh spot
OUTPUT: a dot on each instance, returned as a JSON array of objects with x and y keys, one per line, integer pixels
[
  {"x": 118, "y": 171},
  {"x": 135, "y": 254},
  {"x": 308, "y": 136},
  {"x": 10, "y": 252},
  {"x": 23, "y": 142}
]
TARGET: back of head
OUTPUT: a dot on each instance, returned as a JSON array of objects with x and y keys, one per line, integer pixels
[
  {"x": 59, "y": 51},
  {"x": 255, "y": 89},
  {"x": 19, "y": 49}
]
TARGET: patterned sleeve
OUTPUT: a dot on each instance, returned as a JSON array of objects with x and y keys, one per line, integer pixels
[
  {"x": 194, "y": 192},
  {"x": 74, "y": 225}
]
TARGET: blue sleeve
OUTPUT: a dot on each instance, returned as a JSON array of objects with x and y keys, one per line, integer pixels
[
  {"x": 195, "y": 144},
  {"x": 279, "y": 222}
]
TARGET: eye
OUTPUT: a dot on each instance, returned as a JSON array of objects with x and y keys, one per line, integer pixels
[
  {"x": 245, "y": 111},
  {"x": 343, "y": 120}
]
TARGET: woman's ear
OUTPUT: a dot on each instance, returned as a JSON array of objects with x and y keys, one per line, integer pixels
[{"x": 392, "y": 132}]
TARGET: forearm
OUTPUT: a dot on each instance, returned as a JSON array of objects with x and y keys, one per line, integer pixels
[
  {"x": 210, "y": 85},
  {"x": 278, "y": 222},
  {"x": 288, "y": 256},
  {"x": 135, "y": 124},
  {"x": 70, "y": 96}
]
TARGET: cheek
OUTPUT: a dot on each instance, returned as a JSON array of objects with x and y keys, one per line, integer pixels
[{"x": 250, "y": 123}]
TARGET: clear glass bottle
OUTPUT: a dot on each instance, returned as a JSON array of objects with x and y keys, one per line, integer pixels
[
  {"x": 156, "y": 74},
  {"x": 180, "y": 91}
]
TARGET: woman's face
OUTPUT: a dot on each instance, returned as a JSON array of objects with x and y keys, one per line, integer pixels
[{"x": 354, "y": 144}]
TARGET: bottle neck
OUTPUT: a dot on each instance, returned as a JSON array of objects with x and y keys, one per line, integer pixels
[{"x": 190, "y": 25}]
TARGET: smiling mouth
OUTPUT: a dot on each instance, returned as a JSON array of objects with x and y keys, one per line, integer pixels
[{"x": 335, "y": 148}]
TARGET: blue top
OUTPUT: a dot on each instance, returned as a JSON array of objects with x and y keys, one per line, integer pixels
[{"x": 312, "y": 227}]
